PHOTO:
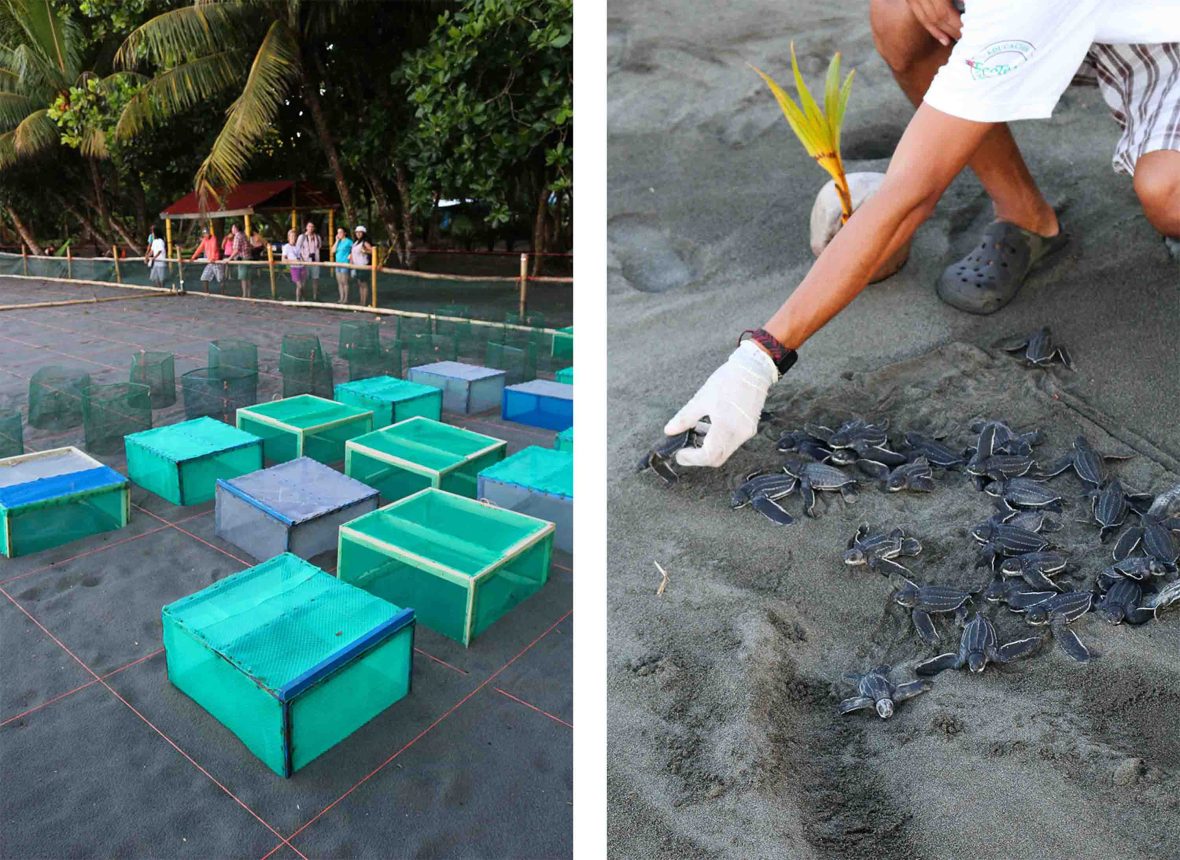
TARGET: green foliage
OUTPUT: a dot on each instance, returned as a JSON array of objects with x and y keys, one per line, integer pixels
[
  {"x": 493, "y": 111},
  {"x": 87, "y": 113}
]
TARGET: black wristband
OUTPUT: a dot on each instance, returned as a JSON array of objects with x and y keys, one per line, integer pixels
[{"x": 783, "y": 358}]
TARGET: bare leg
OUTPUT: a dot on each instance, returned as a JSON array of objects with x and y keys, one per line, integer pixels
[
  {"x": 914, "y": 57},
  {"x": 1157, "y": 184}
]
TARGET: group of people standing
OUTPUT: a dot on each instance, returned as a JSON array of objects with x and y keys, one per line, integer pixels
[{"x": 352, "y": 256}]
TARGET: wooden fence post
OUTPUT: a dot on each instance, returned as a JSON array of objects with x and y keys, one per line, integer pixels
[
  {"x": 24, "y": 253},
  {"x": 270, "y": 264},
  {"x": 69, "y": 263},
  {"x": 376, "y": 257},
  {"x": 524, "y": 285},
  {"x": 115, "y": 254}
]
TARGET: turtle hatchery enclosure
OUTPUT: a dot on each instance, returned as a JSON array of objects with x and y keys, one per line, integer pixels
[
  {"x": 218, "y": 640},
  {"x": 942, "y": 566}
]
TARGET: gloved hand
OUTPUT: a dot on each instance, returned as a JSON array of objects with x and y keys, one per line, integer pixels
[{"x": 732, "y": 398}]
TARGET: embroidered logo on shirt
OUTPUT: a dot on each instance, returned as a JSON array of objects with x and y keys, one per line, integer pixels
[{"x": 1000, "y": 58}]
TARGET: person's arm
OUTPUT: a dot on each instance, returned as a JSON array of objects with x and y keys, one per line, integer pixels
[
  {"x": 197, "y": 251},
  {"x": 934, "y": 148}
]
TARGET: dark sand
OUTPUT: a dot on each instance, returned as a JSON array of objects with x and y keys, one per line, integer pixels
[
  {"x": 723, "y": 732},
  {"x": 461, "y": 767}
]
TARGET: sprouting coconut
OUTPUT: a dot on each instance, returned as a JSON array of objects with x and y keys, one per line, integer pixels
[{"x": 818, "y": 129}]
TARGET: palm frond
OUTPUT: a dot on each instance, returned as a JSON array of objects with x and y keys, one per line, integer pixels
[
  {"x": 93, "y": 143},
  {"x": 275, "y": 69},
  {"x": 54, "y": 35},
  {"x": 8, "y": 156},
  {"x": 14, "y": 107},
  {"x": 35, "y": 134},
  {"x": 182, "y": 34},
  {"x": 176, "y": 90}
]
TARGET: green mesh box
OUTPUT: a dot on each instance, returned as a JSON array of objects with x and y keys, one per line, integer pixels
[
  {"x": 288, "y": 658},
  {"x": 417, "y": 453},
  {"x": 564, "y": 441},
  {"x": 55, "y": 397},
  {"x": 182, "y": 462},
  {"x": 384, "y": 361},
  {"x": 566, "y": 376},
  {"x": 563, "y": 343},
  {"x": 55, "y": 497},
  {"x": 535, "y": 481},
  {"x": 304, "y": 366},
  {"x": 461, "y": 564},
  {"x": 156, "y": 370},
  {"x": 392, "y": 400},
  {"x": 110, "y": 412},
  {"x": 12, "y": 437},
  {"x": 305, "y": 426},
  {"x": 359, "y": 337},
  {"x": 518, "y": 363}
]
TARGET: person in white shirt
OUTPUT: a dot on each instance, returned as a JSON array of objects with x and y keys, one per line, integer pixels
[
  {"x": 310, "y": 245},
  {"x": 293, "y": 254},
  {"x": 1010, "y": 60},
  {"x": 156, "y": 259}
]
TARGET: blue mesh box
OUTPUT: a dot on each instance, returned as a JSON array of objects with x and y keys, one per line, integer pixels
[
  {"x": 182, "y": 462},
  {"x": 50, "y": 498},
  {"x": 305, "y": 426},
  {"x": 466, "y": 388},
  {"x": 288, "y": 658},
  {"x": 391, "y": 399},
  {"x": 293, "y": 507},
  {"x": 538, "y": 482},
  {"x": 564, "y": 441},
  {"x": 541, "y": 403}
]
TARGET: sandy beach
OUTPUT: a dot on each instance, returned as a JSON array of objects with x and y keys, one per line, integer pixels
[{"x": 724, "y": 736}]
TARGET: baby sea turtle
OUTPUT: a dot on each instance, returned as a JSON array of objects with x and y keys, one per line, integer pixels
[
  {"x": 1165, "y": 597},
  {"x": 978, "y": 646},
  {"x": 879, "y": 551},
  {"x": 860, "y": 452},
  {"x": 996, "y": 437},
  {"x": 1000, "y": 467},
  {"x": 1033, "y": 521},
  {"x": 1038, "y": 347},
  {"x": 1002, "y": 540},
  {"x": 1021, "y": 492},
  {"x": 1085, "y": 461},
  {"x": 1154, "y": 535},
  {"x": 1136, "y": 567},
  {"x": 935, "y": 452},
  {"x": 802, "y": 442},
  {"x": 1058, "y": 612},
  {"x": 820, "y": 476},
  {"x": 1123, "y": 601},
  {"x": 875, "y": 690},
  {"x": 915, "y": 476},
  {"x": 1014, "y": 592},
  {"x": 859, "y": 431},
  {"x": 662, "y": 456},
  {"x": 1109, "y": 507},
  {"x": 1036, "y": 568},
  {"x": 924, "y": 600},
  {"x": 762, "y": 492}
]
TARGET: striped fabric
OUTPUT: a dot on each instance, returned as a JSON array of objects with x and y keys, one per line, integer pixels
[{"x": 1141, "y": 85}]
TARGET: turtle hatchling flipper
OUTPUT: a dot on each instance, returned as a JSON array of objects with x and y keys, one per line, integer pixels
[
  {"x": 663, "y": 468},
  {"x": 1012, "y": 344},
  {"x": 1060, "y": 466},
  {"x": 1070, "y": 643},
  {"x": 911, "y": 546},
  {"x": 808, "y": 495},
  {"x": 873, "y": 469},
  {"x": 922, "y": 485},
  {"x": 908, "y": 691},
  {"x": 924, "y": 624},
  {"x": 1010, "y": 651},
  {"x": 856, "y": 703},
  {"x": 937, "y": 664},
  {"x": 887, "y": 567},
  {"x": 1037, "y": 579},
  {"x": 1022, "y": 600},
  {"x": 1127, "y": 542},
  {"x": 772, "y": 510},
  {"x": 1062, "y": 353}
]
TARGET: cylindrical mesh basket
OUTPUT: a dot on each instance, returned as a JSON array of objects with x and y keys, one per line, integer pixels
[
  {"x": 536, "y": 319},
  {"x": 407, "y": 326},
  {"x": 110, "y": 412},
  {"x": 429, "y": 348},
  {"x": 359, "y": 337},
  {"x": 56, "y": 395},
  {"x": 156, "y": 370},
  {"x": 305, "y": 368},
  {"x": 235, "y": 356},
  {"x": 519, "y": 364},
  {"x": 12, "y": 441},
  {"x": 218, "y": 393},
  {"x": 386, "y": 361}
]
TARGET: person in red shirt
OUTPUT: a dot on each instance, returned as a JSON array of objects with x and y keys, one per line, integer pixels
[{"x": 214, "y": 270}]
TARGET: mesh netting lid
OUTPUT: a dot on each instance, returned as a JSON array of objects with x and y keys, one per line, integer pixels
[
  {"x": 545, "y": 388},
  {"x": 304, "y": 412},
  {"x": 287, "y": 624},
  {"x": 189, "y": 440},
  {"x": 463, "y": 537},
  {"x": 426, "y": 442},
  {"x": 459, "y": 370},
  {"x": 298, "y": 490},
  {"x": 32, "y": 478},
  {"x": 536, "y": 468},
  {"x": 385, "y": 389}
]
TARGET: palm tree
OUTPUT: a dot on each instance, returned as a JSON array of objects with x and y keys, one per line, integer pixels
[{"x": 261, "y": 51}]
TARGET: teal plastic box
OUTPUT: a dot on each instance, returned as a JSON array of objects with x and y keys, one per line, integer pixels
[
  {"x": 535, "y": 481},
  {"x": 50, "y": 498},
  {"x": 288, "y": 658},
  {"x": 182, "y": 462},
  {"x": 566, "y": 376},
  {"x": 564, "y": 441},
  {"x": 305, "y": 426},
  {"x": 391, "y": 399}
]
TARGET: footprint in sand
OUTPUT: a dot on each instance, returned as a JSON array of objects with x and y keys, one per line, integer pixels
[{"x": 646, "y": 257}]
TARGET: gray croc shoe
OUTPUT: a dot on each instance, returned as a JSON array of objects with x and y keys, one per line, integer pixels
[{"x": 991, "y": 275}]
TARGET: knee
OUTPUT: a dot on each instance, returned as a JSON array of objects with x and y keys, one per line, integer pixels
[
  {"x": 1157, "y": 184},
  {"x": 897, "y": 34}
]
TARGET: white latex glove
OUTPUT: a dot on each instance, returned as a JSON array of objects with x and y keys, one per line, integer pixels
[{"x": 733, "y": 398}]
